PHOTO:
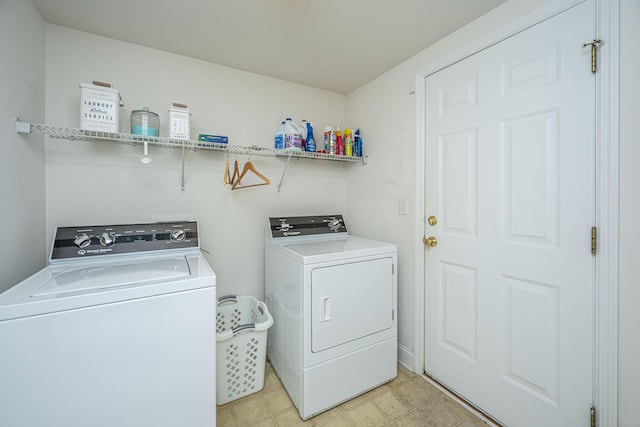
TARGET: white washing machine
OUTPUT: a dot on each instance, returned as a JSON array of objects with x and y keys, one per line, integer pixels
[
  {"x": 118, "y": 330},
  {"x": 333, "y": 300}
]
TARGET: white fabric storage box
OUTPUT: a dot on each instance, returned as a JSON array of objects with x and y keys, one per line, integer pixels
[
  {"x": 100, "y": 107},
  {"x": 242, "y": 323}
]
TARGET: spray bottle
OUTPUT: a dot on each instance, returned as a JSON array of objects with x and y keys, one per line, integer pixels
[
  {"x": 348, "y": 142},
  {"x": 303, "y": 133},
  {"x": 357, "y": 146},
  {"x": 339, "y": 142},
  {"x": 327, "y": 138}
]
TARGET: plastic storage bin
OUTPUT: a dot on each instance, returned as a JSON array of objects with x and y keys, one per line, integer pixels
[{"x": 242, "y": 323}]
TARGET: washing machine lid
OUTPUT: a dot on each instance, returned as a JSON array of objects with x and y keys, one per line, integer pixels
[
  {"x": 100, "y": 277},
  {"x": 60, "y": 287},
  {"x": 323, "y": 250}
]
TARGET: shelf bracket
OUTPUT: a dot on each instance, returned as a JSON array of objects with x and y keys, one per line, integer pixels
[
  {"x": 182, "y": 178},
  {"x": 284, "y": 171},
  {"x": 22, "y": 127}
]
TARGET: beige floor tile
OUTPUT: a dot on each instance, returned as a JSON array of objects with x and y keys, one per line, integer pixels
[
  {"x": 356, "y": 401},
  {"x": 268, "y": 422},
  {"x": 441, "y": 412},
  {"x": 251, "y": 411},
  {"x": 415, "y": 392},
  {"x": 225, "y": 417},
  {"x": 291, "y": 418},
  {"x": 403, "y": 375},
  {"x": 367, "y": 414},
  {"x": 472, "y": 421},
  {"x": 408, "y": 400},
  {"x": 332, "y": 419},
  {"x": 271, "y": 380},
  {"x": 391, "y": 406},
  {"x": 278, "y": 400},
  {"x": 413, "y": 419}
]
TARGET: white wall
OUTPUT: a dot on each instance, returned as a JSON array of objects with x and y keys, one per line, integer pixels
[
  {"x": 98, "y": 182},
  {"x": 22, "y": 209}
]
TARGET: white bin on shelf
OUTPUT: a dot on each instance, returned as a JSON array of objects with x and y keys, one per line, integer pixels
[{"x": 241, "y": 346}]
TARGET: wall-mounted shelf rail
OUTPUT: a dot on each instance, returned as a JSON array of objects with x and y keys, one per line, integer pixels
[
  {"x": 75, "y": 134},
  {"x": 254, "y": 150}
]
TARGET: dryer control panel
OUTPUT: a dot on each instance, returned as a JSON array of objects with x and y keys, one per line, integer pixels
[
  {"x": 300, "y": 226},
  {"x": 100, "y": 240}
]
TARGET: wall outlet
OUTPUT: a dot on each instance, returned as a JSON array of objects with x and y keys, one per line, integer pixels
[{"x": 403, "y": 205}]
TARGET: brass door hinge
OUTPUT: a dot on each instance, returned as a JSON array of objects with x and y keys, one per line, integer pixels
[
  {"x": 592, "y": 417},
  {"x": 594, "y": 240},
  {"x": 594, "y": 53}
]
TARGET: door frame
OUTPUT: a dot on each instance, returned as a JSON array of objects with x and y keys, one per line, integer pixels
[{"x": 605, "y": 328}]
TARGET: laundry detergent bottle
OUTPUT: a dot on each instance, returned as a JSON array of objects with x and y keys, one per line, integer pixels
[
  {"x": 279, "y": 140},
  {"x": 292, "y": 135}
]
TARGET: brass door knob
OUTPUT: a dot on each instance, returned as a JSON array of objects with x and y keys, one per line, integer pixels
[
  {"x": 430, "y": 241},
  {"x": 432, "y": 220}
]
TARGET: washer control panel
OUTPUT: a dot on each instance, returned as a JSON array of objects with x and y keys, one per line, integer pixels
[
  {"x": 296, "y": 226},
  {"x": 91, "y": 241}
]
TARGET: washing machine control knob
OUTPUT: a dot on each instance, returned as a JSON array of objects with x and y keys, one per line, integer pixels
[
  {"x": 107, "y": 239},
  {"x": 177, "y": 235},
  {"x": 334, "y": 224},
  {"x": 284, "y": 227},
  {"x": 82, "y": 241}
]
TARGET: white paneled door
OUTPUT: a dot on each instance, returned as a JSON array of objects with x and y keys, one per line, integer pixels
[{"x": 510, "y": 155}]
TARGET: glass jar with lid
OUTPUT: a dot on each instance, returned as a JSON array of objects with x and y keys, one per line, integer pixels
[{"x": 145, "y": 122}]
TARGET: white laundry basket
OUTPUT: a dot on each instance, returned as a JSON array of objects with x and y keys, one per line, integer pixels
[{"x": 241, "y": 346}]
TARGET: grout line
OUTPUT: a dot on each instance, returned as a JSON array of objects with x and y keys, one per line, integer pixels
[{"x": 466, "y": 405}]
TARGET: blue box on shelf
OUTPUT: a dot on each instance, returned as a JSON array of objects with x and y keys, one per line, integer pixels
[{"x": 216, "y": 139}]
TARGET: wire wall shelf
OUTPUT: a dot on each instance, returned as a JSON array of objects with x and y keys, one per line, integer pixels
[{"x": 75, "y": 134}]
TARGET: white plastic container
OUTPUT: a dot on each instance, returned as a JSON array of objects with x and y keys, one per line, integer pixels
[
  {"x": 279, "y": 139},
  {"x": 292, "y": 135},
  {"x": 100, "y": 107},
  {"x": 179, "y": 122},
  {"x": 242, "y": 323}
]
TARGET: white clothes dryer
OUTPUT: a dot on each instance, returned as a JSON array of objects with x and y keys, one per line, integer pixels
[
  {"x": 118, "y": 330},
  {"x": 333, "y": 299}
]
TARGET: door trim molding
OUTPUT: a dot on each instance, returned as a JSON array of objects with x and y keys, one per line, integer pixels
[
  {"x": 607, "y": 209},
  {"x": 607, "y": 185}
]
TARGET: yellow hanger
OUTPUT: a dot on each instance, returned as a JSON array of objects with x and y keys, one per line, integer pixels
[
  {"x": 227, "y": 176},
  {"x": 249, "y": 167}
]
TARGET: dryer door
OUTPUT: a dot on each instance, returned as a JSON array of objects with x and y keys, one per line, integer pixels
[{"x": 350, "y": 301}]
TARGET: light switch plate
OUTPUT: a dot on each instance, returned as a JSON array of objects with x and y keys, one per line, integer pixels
[{"x": 403, "y": 205}]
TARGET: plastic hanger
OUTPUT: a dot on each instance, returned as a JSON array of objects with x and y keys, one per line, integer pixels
[{"x": 249, "y": 167}]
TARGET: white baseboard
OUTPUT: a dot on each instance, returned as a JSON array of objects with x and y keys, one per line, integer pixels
[{"x": 406, "y": 358}]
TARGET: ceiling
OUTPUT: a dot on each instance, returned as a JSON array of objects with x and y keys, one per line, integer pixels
[{"x": 336, "y": 45}]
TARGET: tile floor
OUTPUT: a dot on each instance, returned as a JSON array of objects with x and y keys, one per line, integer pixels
[{"x": 406, "y": 401}]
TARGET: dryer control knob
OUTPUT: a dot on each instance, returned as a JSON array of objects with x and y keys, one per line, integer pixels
[
  {"x": 82, "y": 241},
  {"x": 177, "y": 235},
  {"x": 334, "y": 224},
  {"x": 107, "y": 239}
]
